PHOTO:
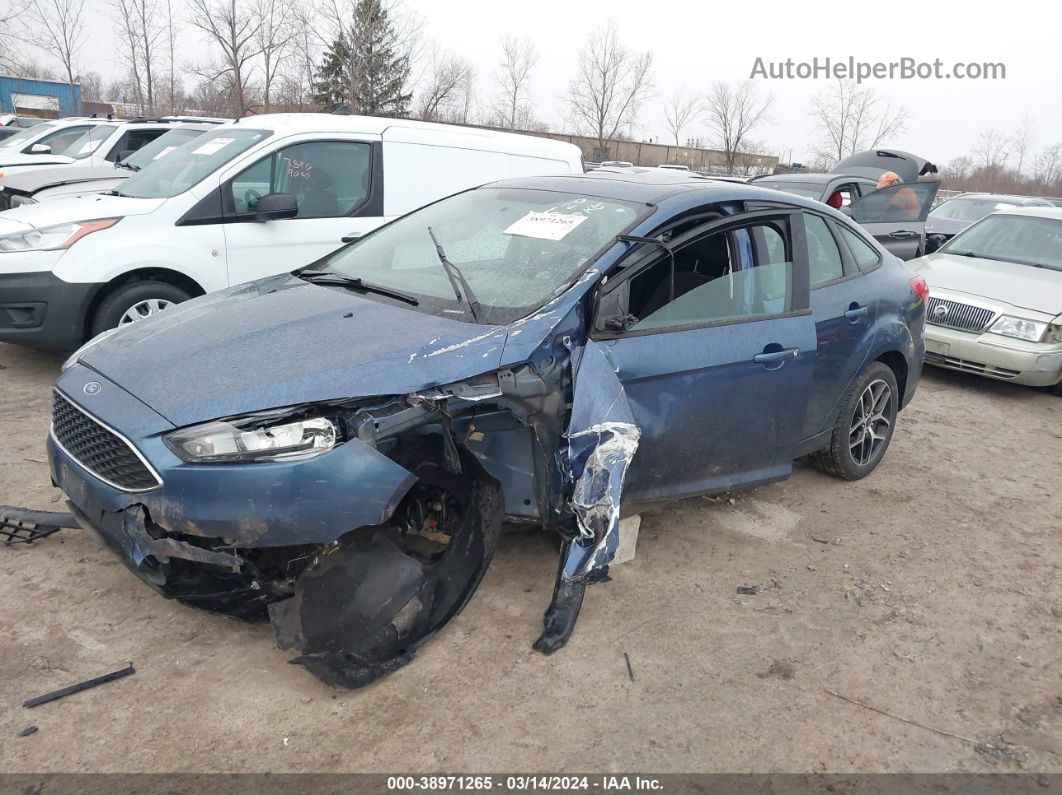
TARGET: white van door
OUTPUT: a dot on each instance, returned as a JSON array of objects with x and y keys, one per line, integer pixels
[{"x": 337, "y": 193}]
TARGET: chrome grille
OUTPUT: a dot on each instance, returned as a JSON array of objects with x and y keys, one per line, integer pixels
[
  {"x": 98, "y": 449},
  {"x": 963, "y": 317}
]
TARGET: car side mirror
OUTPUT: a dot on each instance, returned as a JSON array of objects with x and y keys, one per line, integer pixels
[
  {"x": 40, "y": 149},
  {"x": 276, "y": 206},
  {"x": 611, "y": 315}
]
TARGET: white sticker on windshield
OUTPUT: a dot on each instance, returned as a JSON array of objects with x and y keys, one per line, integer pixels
[
  {"x": 164, "y": 152},
  {"x": 214, "y": 146},
  {"x": 91, "y": 146},
  {"x": 545, "y": 226},
  {"x": 1003, "y": 206}
]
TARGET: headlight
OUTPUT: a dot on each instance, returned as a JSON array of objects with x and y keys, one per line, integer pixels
[
  {"x": 1017, "y": 327},
  {"x": 51, "y": 238},
  {"x": 239, "y": 441}
]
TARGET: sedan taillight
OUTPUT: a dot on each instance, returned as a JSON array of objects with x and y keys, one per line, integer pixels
[{"x": 921, "y": 289}]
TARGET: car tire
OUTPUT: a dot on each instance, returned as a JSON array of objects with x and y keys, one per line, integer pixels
[
  {"x": 143, "y": 297},
  {"x": 864, "y": 426},
  {"x": 1057, "y": 389}
]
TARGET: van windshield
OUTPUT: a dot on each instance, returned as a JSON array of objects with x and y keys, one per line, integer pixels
[
  {"x": 517, "y": 248},
  {"x": 19, "y": 138},
  {"x": 161, "y": 147},
  {"x": 190, "y": 163},
  {"x": 82, "y": 147}
]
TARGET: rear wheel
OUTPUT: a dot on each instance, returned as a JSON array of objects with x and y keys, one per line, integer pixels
[
  {"x": 136, "y": 301},
  {"x": 864, "y": 425}
]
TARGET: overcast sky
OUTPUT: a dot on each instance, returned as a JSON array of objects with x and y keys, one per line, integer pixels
[{"x": 694, "y": 44}]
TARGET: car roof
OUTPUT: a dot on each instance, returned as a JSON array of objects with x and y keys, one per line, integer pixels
[
  {"x": 807, "y": 177},
  {"x": 1034, "y": 211},
  {"x": 408, "y": 129},
  {"x": 1031, "y": 200},
  {"x": 654, "y": 185}
]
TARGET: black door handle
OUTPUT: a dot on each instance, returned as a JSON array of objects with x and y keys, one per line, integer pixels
[
  {"x": 903, "y": 234},
  {"x": 855, "y": 311},
  {"x": 778, "y": 358}
]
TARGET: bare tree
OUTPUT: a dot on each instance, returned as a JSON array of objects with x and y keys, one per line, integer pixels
[
  {"x": 853, "y": 117},
  {"x": 1048, "y": 167},
  {"x": 957, "y": 169},
  {"x": 232, "y": 27},
  {"x": 680, "y": 110},
  {"x": 512, "y": 106},
  {"x": 1022, "y": 142},
  {"x": 992, "y": 151},
  {"x": 274, "y": 39},
  {"x": 448, "y": 90},
  {"x": 172, "y": 27},
  {"x": 57, "y": 27},
  {"x": 10, "y": 12},
  {"x": 732, "y": 112},
  {"x": 610, "y": 84}
]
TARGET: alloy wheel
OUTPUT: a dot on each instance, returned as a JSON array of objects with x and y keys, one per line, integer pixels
[{"x": 870, "y": 422}]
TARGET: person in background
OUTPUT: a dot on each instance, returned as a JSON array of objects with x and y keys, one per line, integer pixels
[{"x": 904, "y": 202}]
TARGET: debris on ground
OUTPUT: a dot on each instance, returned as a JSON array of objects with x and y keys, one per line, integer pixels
[
  {"x": 630, "y": 670},
  {"x": 24, "y": 526},
  {"x": 28, "y": 731},
  {"x": 71, "y": 689},
  {"x": 748, "y": 590}
]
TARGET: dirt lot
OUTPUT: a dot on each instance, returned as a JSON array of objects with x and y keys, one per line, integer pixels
[{"x": 930, "y": 591}]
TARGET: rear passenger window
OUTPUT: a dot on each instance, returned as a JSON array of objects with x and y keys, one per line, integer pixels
[
  {"x": 866, "y": 258},
  {"x": 824, "y": 258},
  {"x": 328, "y": 179},
  {"x": 735, "y": 274}
]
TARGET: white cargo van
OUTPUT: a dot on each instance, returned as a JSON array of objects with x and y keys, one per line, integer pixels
[{"x": 259, "y": 196}]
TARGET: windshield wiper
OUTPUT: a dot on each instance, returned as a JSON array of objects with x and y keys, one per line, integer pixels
[
  {"x": 469, "y": 297},
  {"x": 130, "y": 166},
  {"x": 335, "y": 279}
]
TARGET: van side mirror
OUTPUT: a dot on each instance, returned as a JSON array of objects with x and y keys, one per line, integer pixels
[
  {"x": 40, "y": 149},
  {"x": 276, "y": 206},
  {"x": 610, "y": 315}
]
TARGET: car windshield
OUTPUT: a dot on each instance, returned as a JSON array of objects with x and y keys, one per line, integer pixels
[
  {"x": 1024, "y": 239},
  {"x": 20, "y": 138},
  {"x": 969, "y": 209},
  {"x": 161, "y": 147},
  {"x": 517, "y": 248},
  {"x": 190, "y": 163},
  {"x": 88, "y": 143},
  {"x": 807, "y": 189}
]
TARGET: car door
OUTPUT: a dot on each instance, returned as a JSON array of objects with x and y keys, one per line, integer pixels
[
  {"x": 896, "y": 216},
  {"x": 714, "y": 349},
  {"x": 844, "y": 313},
  {"x": 337, "y": 193}
]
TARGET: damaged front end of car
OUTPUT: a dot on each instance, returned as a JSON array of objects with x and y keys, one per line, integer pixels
[{"x": 360, "y": 528}]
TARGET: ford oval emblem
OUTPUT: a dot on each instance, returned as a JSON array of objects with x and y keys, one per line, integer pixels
[{"x": 93, "y": 388}]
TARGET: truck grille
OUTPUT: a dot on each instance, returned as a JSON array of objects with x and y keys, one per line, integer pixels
[
  {"x": 963, "y": 317},
  {"x": 98, "y": 449}
]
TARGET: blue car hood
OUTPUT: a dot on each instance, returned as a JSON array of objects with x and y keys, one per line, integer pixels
[{"x": 280, "y": 342}]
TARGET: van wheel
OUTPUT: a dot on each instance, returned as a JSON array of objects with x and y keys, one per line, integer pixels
[
  {"x": 136, "y": 301},
  {"x": 864, "y": 425}
]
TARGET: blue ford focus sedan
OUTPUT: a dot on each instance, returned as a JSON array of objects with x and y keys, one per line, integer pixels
[{"x": 336, "y": 449}]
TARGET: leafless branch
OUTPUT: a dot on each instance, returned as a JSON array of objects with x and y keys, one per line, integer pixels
[{"x": 732, "y": 113}]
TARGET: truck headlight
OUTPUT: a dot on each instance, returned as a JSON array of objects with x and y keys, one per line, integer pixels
[
  {"x": 250, "y": 440},
  {"x": 1021, "y": 329},
  {"x": 52, "y": 238}
]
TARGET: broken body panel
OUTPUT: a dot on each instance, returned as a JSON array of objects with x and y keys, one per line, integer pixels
[{"x": 363, "y": 552}]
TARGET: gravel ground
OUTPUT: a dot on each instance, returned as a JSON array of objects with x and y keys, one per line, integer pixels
[{"x": 929, "y": 591}]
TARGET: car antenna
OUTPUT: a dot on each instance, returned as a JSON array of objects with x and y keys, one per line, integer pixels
[{"x": 451, "y": 269}]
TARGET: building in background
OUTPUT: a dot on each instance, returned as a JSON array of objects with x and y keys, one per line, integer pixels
[{"x": 43, "y": 99}]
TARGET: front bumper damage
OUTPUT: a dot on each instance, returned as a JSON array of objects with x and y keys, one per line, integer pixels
[{"x": 360, "y": 555}]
